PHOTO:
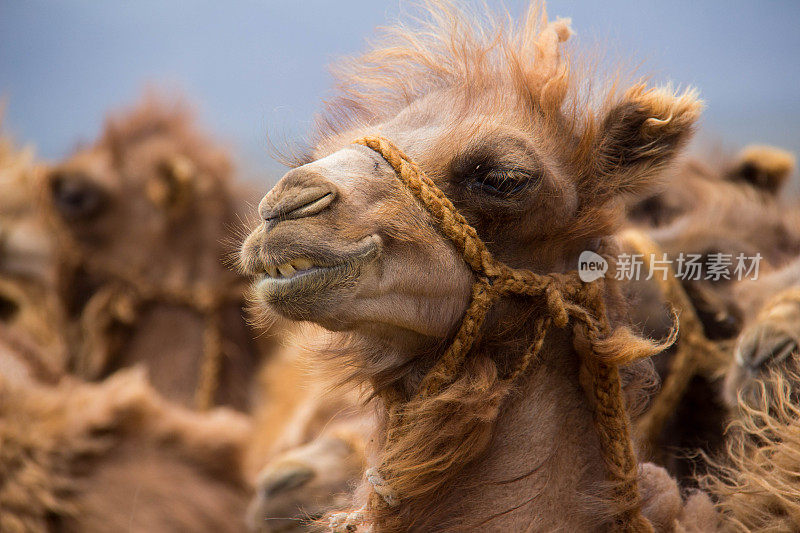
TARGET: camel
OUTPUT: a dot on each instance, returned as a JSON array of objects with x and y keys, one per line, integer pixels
[
  {"x": 493, "y": 117},
  {"x": 769, "y": 343},
  {"x": 140, "y": 217},
  {"x": 29, "y": 311},
  {"x": 309, "y": 441},
  {"x": 115, "y": 456},
  {"x": 698, "y": 424},
  {"x": 732, "y": 222},
  {"x": 759, "y": 172}
]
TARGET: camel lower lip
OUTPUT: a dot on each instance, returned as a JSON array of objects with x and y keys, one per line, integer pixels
[{"x": 317, "y": 278}]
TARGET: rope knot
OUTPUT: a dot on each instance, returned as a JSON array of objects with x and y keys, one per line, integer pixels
[
  {"x": 346, "y": 522},
  {"x": 556, "y": 305},
  {"x": 381, "y": 487}
]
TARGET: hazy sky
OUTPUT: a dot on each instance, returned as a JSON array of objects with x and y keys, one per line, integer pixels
[{"x": 257, "y": 66}]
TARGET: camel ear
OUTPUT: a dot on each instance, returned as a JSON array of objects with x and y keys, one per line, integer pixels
[
  {"x": 172, "y": 183},
  {"x": 764, "y": 167},
  {"x": 638, "y": 138}
]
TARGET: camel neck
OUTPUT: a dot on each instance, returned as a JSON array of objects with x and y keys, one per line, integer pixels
[{"x": 542, "y": 465}]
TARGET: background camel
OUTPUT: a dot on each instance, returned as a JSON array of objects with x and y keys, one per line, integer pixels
[
  {"x": 115, "y": 456},
  {"x": 30, "y": 318},
  {"x": 309, "y": 440},
  {"x": 758, "y": 171},
  {"x": 141, "y": 218},
  {"x": 541, "y": 179},
  {"x": 725, "y": 216}
]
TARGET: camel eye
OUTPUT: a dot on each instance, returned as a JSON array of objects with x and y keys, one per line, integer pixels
[
  {"x": 75, "y": 196},
  {"x": 499, "y": 182}
]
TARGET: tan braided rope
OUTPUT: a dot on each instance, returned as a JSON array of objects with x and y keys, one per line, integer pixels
[
  {"x": 696, "y": 354},
  {"x": 565, "y": 297}
]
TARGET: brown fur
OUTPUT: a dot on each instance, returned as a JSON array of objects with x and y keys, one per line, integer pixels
[
  {"x": 115, "y": 456},
  {"x": 756, "y": 482},
  {"x": 730, "y": 220},
  {"x": 29, "y": 309},
  {"x": 770, "y": 341}
]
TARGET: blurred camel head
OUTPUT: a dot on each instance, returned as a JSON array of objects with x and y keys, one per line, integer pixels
[{"x": 150, "y": 198}]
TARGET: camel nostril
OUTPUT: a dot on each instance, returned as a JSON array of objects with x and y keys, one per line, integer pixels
[
  {"x": 300, "y": 203},
  {"x": 296, "y": 200},
  {"x": 286, "y": 479}
]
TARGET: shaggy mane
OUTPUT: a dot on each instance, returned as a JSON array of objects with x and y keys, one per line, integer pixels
[
  {"x": 756, "y": 482},
  {"x": 58, "y": 443},
  {"x": 454, "y": 49}
]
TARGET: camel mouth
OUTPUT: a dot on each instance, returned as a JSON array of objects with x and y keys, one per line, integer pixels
[{"x": 297, "y": 275}]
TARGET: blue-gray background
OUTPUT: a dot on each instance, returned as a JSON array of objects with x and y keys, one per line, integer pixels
[{"x": 256, "y": 66}]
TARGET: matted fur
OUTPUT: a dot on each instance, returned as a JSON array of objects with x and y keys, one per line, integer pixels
[
  {"x": 115, "y": 456},
  {"x": 757, "y": 483}
]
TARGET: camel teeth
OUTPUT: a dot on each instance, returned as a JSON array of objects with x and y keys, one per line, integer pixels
[
  {"x": 286, "y": 270},
  {"x": 301, "y": 264},
  {"x": 272, "y": 271}
]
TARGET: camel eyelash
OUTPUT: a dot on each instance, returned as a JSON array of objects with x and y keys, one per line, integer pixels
[{"x": 502, "y": 182}]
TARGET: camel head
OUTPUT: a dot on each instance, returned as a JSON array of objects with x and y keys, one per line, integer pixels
[
  {"x": 25, "y": 242},
  {"x": 769, "y": 345},
  {"x": 302, "y": 484},
  {"x": 500, "y": 127},
  {"x": 147, "y": 198},
  {"x": 757, "y": 172}
]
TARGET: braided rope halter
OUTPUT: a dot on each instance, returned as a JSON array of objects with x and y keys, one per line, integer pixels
[
  {"x": 565, "y": 297},
  {"x": 696, "y": 353}
]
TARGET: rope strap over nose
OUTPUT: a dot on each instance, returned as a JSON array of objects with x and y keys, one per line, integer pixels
[{"x": 563, "y": 297}]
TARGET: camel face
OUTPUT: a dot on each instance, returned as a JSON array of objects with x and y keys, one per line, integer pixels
[
  {"x": 342, "y": 241},
  {"x": 109, "y": 206},
  {"x": 502, "y": 129},
  {"x": 767, "y": 346},
  {"x": 304, "y": 483},
  {"x": 327, "y": 250},
  {"x": 25, "y": 243}
]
